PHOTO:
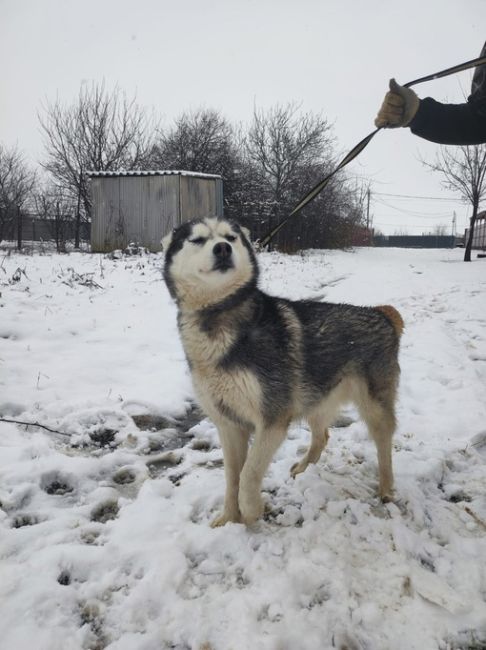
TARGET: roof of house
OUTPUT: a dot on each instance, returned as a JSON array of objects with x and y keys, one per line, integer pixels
[{"x": 147, "y": 172}]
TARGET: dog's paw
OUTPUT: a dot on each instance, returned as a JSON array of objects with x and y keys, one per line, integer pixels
[
  {"x": 298, "y": 468},
  {"x": 225, "y": 518},
  {"x": 251, "y": 507},
  {"x": 387, "y": 497}
]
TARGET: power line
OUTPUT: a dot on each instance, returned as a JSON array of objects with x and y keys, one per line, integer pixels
[
  {"x": 437, "y": 215},
  {"x": 404, "y": 225},
  {"x": 413, "y": 196}
]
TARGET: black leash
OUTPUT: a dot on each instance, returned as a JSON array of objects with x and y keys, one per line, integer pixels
[{"x": 355, "y": 151}]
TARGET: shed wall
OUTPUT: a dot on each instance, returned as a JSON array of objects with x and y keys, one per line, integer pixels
[
  {"x": 200, "y": 199},
  {"x": 100, "y": 215},
  {"x": 160, "y": 208},
  {"x": 143, "y": 209},
  {"x": 130, "y": 212}
]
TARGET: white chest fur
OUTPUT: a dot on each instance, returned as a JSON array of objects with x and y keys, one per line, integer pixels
[{"x": 221, "y": 390}]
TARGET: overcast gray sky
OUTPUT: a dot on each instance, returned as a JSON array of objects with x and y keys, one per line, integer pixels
[{"x": 332, "y": 56}]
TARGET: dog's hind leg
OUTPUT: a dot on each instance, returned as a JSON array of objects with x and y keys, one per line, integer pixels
[
  {"x": 235, "y": 447},
  {"x": 379, "y": 415},
  {"x": 320, "y": 419},
  {"x": 265, "y": 444},
  {"x": 320, "y": 436}
]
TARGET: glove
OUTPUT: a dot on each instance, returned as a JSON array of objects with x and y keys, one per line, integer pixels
[{"x": 398, "y": 108}]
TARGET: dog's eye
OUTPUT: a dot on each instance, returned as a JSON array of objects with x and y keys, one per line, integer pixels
[
  {"x": 199, "y": 241},
  {"x": 230, "y": 238}
]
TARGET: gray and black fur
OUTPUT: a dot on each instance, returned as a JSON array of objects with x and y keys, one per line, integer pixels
[{"x": 259, "y": 361}]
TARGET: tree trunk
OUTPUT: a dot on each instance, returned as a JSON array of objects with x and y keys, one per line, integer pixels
[
  {"x": 472, "y": 222},
  {"x": 56, "y": 226},
  {"x": 19, "y": 229},
  {"x": 77, "y": 226}
]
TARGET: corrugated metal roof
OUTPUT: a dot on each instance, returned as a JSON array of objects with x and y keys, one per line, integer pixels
[{"x": 145, "y": 172}]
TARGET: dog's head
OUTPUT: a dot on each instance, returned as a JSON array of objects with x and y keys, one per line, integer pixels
[{"x": 208, "y": 260}]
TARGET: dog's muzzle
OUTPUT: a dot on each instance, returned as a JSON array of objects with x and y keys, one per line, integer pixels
[{"x": 223, "y": 256}]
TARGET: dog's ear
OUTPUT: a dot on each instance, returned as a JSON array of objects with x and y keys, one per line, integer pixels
[
  {"x": 246, "y": 232},
  {"x": 166, "y": 241}
]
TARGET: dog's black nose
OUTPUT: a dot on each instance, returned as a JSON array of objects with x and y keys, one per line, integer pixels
[{"x": 222, "y": 250}]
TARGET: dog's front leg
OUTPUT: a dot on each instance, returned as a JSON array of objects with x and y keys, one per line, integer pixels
[
  {"x": 235, "y": 447},
  {"x": 265, "y": 444}
]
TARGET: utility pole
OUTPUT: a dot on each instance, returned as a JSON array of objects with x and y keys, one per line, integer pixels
[{"x": 454, "y": 224}]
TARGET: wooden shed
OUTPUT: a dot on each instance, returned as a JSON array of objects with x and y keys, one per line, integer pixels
[{"x": 142, "y": 206}]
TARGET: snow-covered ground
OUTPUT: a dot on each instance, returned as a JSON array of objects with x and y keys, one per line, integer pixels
[{"x": 104, "y": 533}]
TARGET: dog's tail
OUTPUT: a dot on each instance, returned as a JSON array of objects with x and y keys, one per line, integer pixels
[{"x": 393, "y": 316}]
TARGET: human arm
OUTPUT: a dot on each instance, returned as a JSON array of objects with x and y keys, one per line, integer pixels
[{"x": 460, "y": 124}]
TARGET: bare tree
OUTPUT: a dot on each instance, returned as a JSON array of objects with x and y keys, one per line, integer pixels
[
  {"x": 289, "y": 152},
  {"x": 292, "y": 151},
  {"x": 17, "y": 181},
  {"x": 440, "y": 230},
  {"x": 464, "y": 171},
  {"x": 203, "y": 141},
  {"x": 284, "y": 144},
  {"x": 58, "y": 210},
  {"x": 102, "y": 131}
]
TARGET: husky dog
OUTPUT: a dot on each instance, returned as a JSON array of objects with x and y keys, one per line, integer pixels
[{"x": 258, "y": 362}]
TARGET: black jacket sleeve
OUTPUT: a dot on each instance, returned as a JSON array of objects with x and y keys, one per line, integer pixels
[
  {"x": 450, "y": 123},
  {"x": 455, "y": 123}
]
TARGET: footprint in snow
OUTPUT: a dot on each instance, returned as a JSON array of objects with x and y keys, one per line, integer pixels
[
  {"x": 124, "y": 476},
  {"x": 23, "y": 519},
  {"x": 56, "y": 483},
  {"x": 105, "y": 511}
]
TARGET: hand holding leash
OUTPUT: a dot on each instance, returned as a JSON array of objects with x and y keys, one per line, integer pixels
[
  {"x": 404, "y": 113},
  {"x": 399, "y": 107}
]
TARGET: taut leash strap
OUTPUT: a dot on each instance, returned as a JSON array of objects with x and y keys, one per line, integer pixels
[
  {"x": 467, "y": 65},
  {"x": 355, "y": 151}
]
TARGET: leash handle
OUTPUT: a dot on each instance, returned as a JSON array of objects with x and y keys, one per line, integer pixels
[
  {"x": 357, "y": 149},
  {"x": 473, "y": 63}
]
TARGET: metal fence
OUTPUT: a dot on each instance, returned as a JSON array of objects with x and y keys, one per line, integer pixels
[
  {"x": 415, "y": 241},
  {"x": 30, "y": 227}
]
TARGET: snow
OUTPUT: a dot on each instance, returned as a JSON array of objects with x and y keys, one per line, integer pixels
[
  {"x": 104, "y": 532},
  {"x": 150, "y": 172}
]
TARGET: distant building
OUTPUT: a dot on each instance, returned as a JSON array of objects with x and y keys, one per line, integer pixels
[
  {"x": 142, "y": 206},
  {"x": 479, "y": 235}
]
